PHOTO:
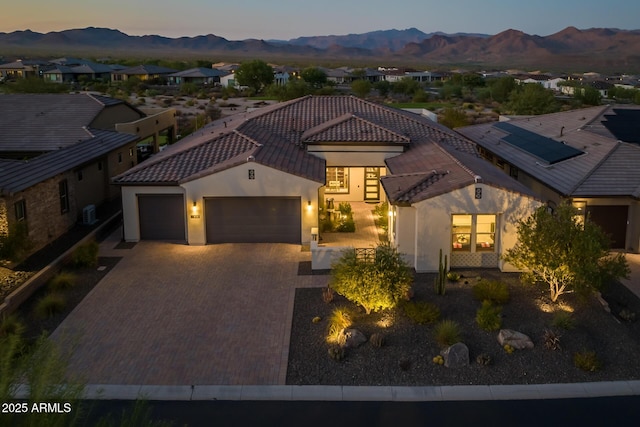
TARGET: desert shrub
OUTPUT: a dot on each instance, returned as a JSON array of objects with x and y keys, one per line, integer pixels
[
  {"x": 86, "y": 255},
  {"x": 447, "y": 332},
  {"x": 16, "y": 244},
  {"x": 551, "y": 340},
  {"x": 492, "y": 290},
  {"x": 453, "y": 277},
  {"x": 377, "y": 340},
  {"x": 381, "y": 210},
  {"x": 10, "y": 325},
  {"x": 50, "y": 305},
  {"x": 376, "y": 284},
  {"x": 327, "y": 294},
  {"x": 336, "y": 353},
  {"x": 489, "y": 316},
  {"x": 563, "y": 320},
  {"x": 63, "y": 280},
  {"x": 341, "y": 318},
  {"x": 483, "y": 359},
  {"x": 587, "y": 361},
  {"x": 421, "y": 312},
  {"x": 326, "y": 224}
]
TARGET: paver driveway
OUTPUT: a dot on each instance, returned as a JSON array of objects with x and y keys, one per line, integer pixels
[{"x": 177, "y": 315}]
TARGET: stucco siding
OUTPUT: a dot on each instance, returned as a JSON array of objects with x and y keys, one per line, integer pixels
[
  {"x": 235, "y": 182},
  {"x": 433, "y": 221}
]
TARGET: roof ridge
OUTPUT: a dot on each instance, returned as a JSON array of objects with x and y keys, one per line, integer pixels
[
  {"x": 429, "y": 176},
  {"x": 596, "y": 166},
  {"x": 455, "y": 159}
]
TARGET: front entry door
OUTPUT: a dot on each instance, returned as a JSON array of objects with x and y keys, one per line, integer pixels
[{"x": 372, "y": 184}]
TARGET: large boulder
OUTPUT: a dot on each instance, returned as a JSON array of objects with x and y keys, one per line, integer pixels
[
  {"x": 351, "y": 338},
  {"x": 515, "y": 339},
  {"x": 456, "y": 356}
]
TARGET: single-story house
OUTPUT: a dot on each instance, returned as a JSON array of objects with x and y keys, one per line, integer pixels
[
  {"x": 588, "y": 156},
  {"x": 58, "y": 153},
  {"x": 143, "y": 72},
  {"x": 22, "y": 69},
  {"x": 199, "y": 76},
  {"x": 265, "y": 177}
]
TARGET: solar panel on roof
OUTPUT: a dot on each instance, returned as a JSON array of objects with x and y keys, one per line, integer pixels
[
  {"x": 624, "y": 125},
  {"x": 547, "y": 149}
]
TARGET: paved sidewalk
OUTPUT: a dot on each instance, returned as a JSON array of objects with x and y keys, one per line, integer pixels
[{"x": 171, "y": 314}]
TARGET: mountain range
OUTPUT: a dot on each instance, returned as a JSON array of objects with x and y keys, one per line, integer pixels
[{"x": 571, "y": 48}]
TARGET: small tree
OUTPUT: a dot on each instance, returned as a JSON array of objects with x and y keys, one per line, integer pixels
[
  {"x": 361, "y": 88},
  {"x": 314, "y": 76},
  {"x": 565, "y": 252},
  {"x": 255, "y": 74},
  {"x": 376, "y": 284}
]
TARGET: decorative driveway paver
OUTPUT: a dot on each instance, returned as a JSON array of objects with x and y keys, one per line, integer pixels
[{"x": 174, "y": 314}]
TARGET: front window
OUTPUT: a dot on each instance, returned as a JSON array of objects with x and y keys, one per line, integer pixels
[
  {"x": 485, "y": 233},
  {"x": 473, "y": 233},
  {"x": 461, "y": 227},
  {"x": 21, "y": 210},
  {"x": 64, "y": 196},
  {"x": 337, "y": 180}
]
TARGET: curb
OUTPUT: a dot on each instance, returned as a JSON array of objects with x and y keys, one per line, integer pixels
[{"x": 354, "y": 393}]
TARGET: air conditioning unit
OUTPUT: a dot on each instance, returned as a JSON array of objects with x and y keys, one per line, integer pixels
[{"x": 89, "y": 215}]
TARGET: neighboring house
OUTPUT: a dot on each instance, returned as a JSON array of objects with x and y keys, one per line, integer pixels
[
  {"x": 142, "y": 72},
  {"x": 198, "y": 76},
  {"x": 57, "y": 156},
  {"x": 22, "y": 69},
  {"x": 589, "y": 157},
  {"x": 68, "y": 74},
  {"x": 266, "y": 176}
]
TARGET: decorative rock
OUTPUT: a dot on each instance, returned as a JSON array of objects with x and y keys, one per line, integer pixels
[
  {"x": 515, "y": 339},
  {"x": 456, "y": 356},
  {"x": 351, "y": 338}
]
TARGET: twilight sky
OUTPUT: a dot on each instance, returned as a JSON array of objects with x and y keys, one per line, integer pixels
[{"x": 286, "y": 19}]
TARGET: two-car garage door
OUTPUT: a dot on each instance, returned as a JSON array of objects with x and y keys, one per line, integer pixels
[
  {"x": 227, "y": 219},
  {"x": 253, "y": 219}
]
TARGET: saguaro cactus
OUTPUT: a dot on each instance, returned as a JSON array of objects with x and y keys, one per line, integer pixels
[{"x": 441, "y": 278}]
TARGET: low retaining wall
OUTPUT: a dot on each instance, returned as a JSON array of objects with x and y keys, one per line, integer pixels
[
  {"x": 35, "y": 282},
  {"x": 323, "y": 256}
]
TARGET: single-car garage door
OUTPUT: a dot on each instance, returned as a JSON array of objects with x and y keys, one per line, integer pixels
[
  {"x": 162, "y": 216},
  {"x": 613, "y": 221},
  {"x": 253, "y": 219}
]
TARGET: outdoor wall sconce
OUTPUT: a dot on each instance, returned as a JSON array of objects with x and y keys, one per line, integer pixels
[
  {"x": 195, "y": 214},
  {"x": 309, "y": 207}
]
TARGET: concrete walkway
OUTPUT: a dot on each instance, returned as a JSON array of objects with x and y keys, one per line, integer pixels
[
  {"x": 633, "y": 282},
  {"x": 366, "y": 234}
]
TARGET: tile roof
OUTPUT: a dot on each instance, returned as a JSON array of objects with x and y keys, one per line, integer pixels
[
  {"x": 199, "y": 72},
  {"x": 350, "y": 127},
  {"x": 283, "y": 130},
  {"x": 45, "y": 122},
  {"x": 18, "y": 175},
  {"x": 601, "y": 171},
  {"x": 143, "y": 70}
]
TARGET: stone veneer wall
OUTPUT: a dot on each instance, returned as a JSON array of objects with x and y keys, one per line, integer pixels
[
  {"x": 45, "y": 221},
  {"x": 4, "y": 221}
]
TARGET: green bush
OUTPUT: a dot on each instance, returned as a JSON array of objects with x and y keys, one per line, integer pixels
[
  {"x": 346, "y": 225},
  {"x": 86, "y": 255},
  {"x": 492, "y": 290},
  {"x": 447, "y": 333},
  {"x": 10, "y": 325},
  {"x": 376, "y": 284},
  {"x": 453, "y": 277},
  {"x": 489, "y": 316},
  {"x": 563, "y": 320},
  {"x": 63, "y": 280},
  {"x": 421, "y": 312},
  {"x": 345, "y": 208},
  {"x": 15, "y": 245},
  {"x": 587, "y": 361},
  {"x": 50, "y": 305}
]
